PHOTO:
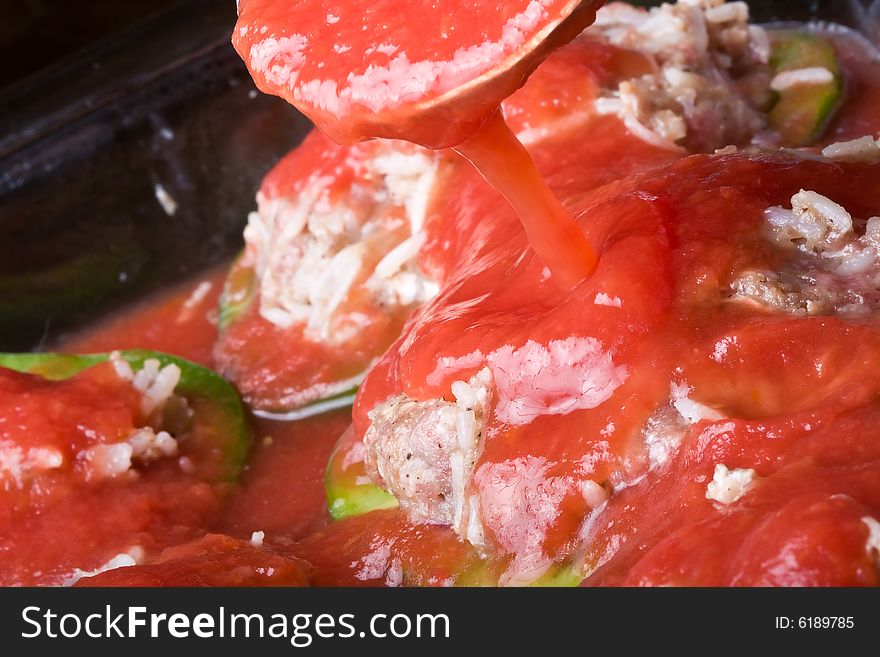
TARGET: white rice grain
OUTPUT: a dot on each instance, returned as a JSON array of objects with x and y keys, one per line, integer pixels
[
  {"x": 801, "y": 77},
  {"x": 863, "y": 149}
]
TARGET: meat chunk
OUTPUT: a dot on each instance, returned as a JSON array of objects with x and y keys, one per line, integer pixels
[
  {"x": 788, "y": 294},
  {"x": 424, "y": 452},
  {"x": 833, "y": 260},
  {"x": 711, "y": 81}
]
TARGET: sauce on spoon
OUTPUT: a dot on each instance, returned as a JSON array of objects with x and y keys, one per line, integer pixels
[{"x": 433, "y": 73}]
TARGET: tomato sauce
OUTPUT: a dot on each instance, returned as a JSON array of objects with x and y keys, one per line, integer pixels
[
  {"x": 801, "y": 524},
  {"x": 429, "y": 73},
  {"x": 213, "y": 560},
  {"x": 506, "y": 165},
  {"x": 673, "y": 239},
  {"x": 181, "y": 320},
  {"x": 282, "y": 492},
  {"x": 383, "y": 548},
  {"x": 50, "y": 487},
  {"x": 580, "y": 371},
  {"x": 279, "y": 367},
  {"x": 684, "y": 285},
  {"x": 368, "y": 71}
]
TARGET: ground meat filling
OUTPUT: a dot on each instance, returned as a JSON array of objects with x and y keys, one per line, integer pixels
[
  {"x": 322, "y": 259},
  {"x": 712, "y": 78},
  {"x": 424, "y": 452},
  {"x": 833, "y": 263}
]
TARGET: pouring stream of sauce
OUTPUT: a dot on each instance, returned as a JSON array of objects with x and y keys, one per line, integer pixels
[
  {"x": 553, "y": 234},
  {"x": 433, "y": 73}
]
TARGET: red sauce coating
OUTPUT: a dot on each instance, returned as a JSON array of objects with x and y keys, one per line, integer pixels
[
  {"x": 214, "y": 560},
  {"x": 799, "y": 525},
  {"x": 272, "y": 365},
  {"x": 670, "y": 240},
  {"x": 52, "y": 421},
  {"x": 277, "y": 368},
  {"x": 673, "y": 239},
  {"x": 49, "y": 490},
  {"x": 282, "y": 492},
  {"x": 383, "y": 548},
  {"x": 427, "y": 72}
]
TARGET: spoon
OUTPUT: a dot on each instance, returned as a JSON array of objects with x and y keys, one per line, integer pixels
[{"x": 433, "y": 72}]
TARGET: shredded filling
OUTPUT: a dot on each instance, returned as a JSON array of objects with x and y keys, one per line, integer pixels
[
  {"x": 833, "y": 260},
  {"x": 148, "y": 443},
  {"x": 424, "y": 452},
  {"x": 711, "y": 83},
  {"x": 727, "y": 485},
  {"x": 323, "y": 260}
]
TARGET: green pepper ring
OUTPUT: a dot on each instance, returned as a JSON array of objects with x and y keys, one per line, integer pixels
[{"x": 196, "y": 382}]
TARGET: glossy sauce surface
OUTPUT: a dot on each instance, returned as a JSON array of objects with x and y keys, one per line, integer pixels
[
  {"x": 427, "y": 72},
  {"x": 213, "y": 560},
  {"x": 272, "y": 365},
  {"x": 49, "y": 489},
  {"x": 552, "y": 233},
  {"x": 282, "y": 492},
  {"x": 670, "y": 233}
]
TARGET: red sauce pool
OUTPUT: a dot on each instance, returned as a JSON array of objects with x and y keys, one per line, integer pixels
[
  {"x": 668, "y": 241},
  {"x": 181, "y": 320},
  {"x": 213, "y": 560},
  {"x": 282, "y": 490}
]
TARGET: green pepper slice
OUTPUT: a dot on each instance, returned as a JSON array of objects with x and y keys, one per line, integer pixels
[
  {"x": 349, "y": 492},
  {"x": 237, "y": 294},
  {"x": 219, "y": 435},
  {"x": 800, "y": 113}
]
